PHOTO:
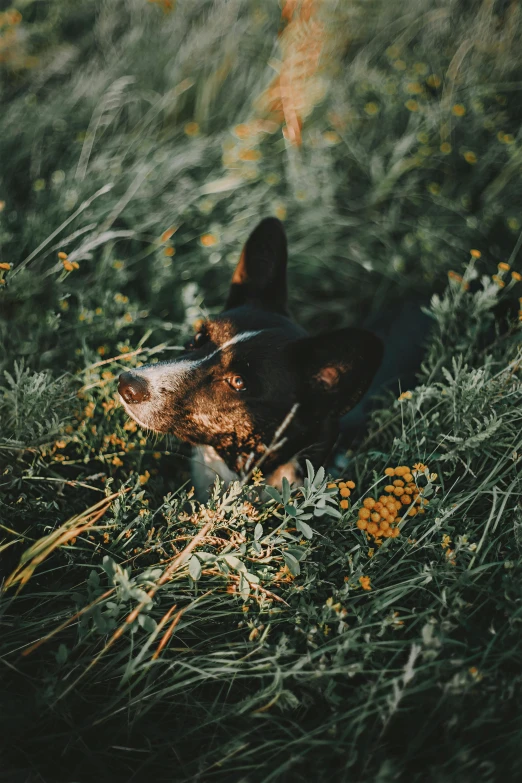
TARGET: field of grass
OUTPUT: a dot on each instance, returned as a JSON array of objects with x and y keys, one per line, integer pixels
[{"x": 143, "y": 636}]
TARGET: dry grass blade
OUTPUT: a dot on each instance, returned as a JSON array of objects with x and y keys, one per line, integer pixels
[{"x": 45, "y": 546}]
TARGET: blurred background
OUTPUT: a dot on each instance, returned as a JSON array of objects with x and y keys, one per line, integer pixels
[{"x": 144, "y": 139}]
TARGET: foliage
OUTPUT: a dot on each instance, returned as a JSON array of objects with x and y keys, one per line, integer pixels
[{"x": 264, "y": 636}]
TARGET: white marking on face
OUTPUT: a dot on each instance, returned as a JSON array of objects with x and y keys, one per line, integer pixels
[{"x": 170, "y": 377}]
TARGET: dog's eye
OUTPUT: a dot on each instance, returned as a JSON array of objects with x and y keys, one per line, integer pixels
[
  {"x": 197, "y": 341},
  {"x": 200, "y": 338},
  {"x": 237, "y": 383}
]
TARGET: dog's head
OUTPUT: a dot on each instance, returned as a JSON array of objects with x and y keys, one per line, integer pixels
[{"x": 246, "y": 368}]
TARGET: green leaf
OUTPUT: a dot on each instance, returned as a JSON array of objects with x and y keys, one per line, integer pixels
[
  {"x": 292, "y": 563},
  {"x": 258, "y": 531},
  {"x": 286, "y": 490},
  {"x": 291, "y": 511},
  {"x": 310, "y": 471},
  {"x": 194, "y": 568},
  {"x": 235, "y": 563},
  {"x": 274, "y": 494},
  {"x": 319, "y": 478},
  {"x": 147, "y": 623},
  {"x": 304, "y": 528}
]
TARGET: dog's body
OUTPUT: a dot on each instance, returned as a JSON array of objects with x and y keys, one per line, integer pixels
[{"x": 246, "y": 369}]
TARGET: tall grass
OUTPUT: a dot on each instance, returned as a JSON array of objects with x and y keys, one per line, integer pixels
[{"x": 144, "y": 636}]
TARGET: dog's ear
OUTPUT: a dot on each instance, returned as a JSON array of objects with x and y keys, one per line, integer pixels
[
  {"x": 335, "y": 369},
  {"x": 260, "y": 276}
]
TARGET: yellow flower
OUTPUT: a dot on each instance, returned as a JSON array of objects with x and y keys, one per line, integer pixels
[
  {"x": 250, "y": 155},
  {"x": 470, "y": 157},
  {"x": 157, "y": 454},
  {"x": 498, "y": 280},
  {"x": 169, "y": 252},
  {"x": 144, "y": 477},
  {"x": 62, "y": 256},
  {"x": 475, "y": 253},
  {"x": 459, "y": 110},
  {"x": 446, "y": 541},
  {"x": 433, "y": 80},
  {"x": 513, "y": 224},
  {"x": 445, "y": 148},
  {"x": 454, "y": 276},
  {"x": 420, "y": 67},
  {"x": 516, "y": 276},
  {"x": 434, "y": 188},
  {"x": 191, "y": 129},
  {"x": 399, "y": 65},
  {"x": 414, "y": 87},
  {"x": 280, "y": 212},
  {"x": 117, "y": 462},
  {"x": 2, "y": 206},
  {"x": 208, "y": 240},
  {"x": 407, "y": 395},
  {"x": 365, "y": 582},
  {"x": 412, "y": 105},
  {"x": 5, "y": 266},
  {"x": 371, "y": 108},
  {"x": 505, "y": 267}
]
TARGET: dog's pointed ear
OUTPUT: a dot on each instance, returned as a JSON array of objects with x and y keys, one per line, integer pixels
[
  {"x": 260, "y": 276},
  {"x": 335, "y": 369}
]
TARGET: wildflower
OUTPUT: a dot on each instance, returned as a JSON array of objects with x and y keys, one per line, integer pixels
[
  {"x": 60, "y": 444},
  {"x": 280, "y": 212},
  {"x": 191, "y": 129},
  {"x": 344, "y": 504},
  {"x": 273, "y": 179},
  {"x": 505, "y": 267},
  {"x": 414, "y": 87},
  {"x": 454, "y": 276},
  {"x": 5, "y": 267},
  {"x": 446, "y": 541},
  {"x": 144, "y": 477},
  {"x": 399, "y": 65},
  {"x": 117, "y": 462},
  {"x": 498, "y": 280},
  {"x": 345, "y": 492},
  {"x": 445, "y": 148},
  {"x": 475, "y": 253},
  {"x": 393, "y": 51},
  {"x": 459, "y": 110},
  {"x": 433, "y": 80},
  {"x": 2, "y": 206},
  {"x": 169, "y": 252},
  {"x": 420, "y": 67},
  {"x": 470, "y": 157},
  {"x": 157, "y": 454},
  {"x": 434, "y": 188},
  {"x": 62, "y": 256},
  {"x": 257, "y": 477},
  {"x": 371, "y": 108},
  {"x": 69, "y": 266},
  {"x": 516, "y": 276},
  {"x": 365, "y": 582},
  {"x": 208, "y": 240},
  {"x": 118, "y": 265},
  {"x": 407, "y": 395},
  {"x": 412, "y": 105},
  {"x": 250, "y": 155},
  {"x": 331, "y": 137}
]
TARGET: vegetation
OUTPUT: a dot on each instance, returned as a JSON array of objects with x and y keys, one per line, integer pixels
[{"x": 144, "y": 636}]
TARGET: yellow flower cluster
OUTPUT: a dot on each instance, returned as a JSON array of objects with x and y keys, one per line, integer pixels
[
  {"x": 345, "y": 490},
  {"x": 68, "y": 265},
  {"x": 380, "y": 518}
]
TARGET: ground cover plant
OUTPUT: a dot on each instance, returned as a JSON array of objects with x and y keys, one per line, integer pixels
[{"x": 365, "y": 626}]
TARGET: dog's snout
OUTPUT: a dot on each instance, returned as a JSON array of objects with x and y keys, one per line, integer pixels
[{"x": 132, "y": 388}]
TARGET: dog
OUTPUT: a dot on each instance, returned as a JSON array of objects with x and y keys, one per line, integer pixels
[{"x": 251, "y": 369}]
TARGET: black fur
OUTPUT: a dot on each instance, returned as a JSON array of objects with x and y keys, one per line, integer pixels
[{"x": 247, "y": 367}]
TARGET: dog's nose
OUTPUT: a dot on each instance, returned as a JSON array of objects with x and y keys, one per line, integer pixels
[{"x": 132, "y": 388}]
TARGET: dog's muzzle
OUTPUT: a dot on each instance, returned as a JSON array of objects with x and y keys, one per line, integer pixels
[{"x": 133, "y": 388}]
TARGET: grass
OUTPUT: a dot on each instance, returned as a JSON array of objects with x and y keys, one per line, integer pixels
[{"x": 142, "y": 635}]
